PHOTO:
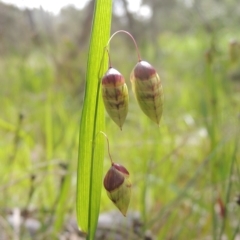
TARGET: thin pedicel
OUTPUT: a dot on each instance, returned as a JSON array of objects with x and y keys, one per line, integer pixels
[{"x": 123, "y": 31}]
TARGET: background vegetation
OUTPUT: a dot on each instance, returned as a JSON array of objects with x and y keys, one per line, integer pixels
[{"x": 185, "y": 174}]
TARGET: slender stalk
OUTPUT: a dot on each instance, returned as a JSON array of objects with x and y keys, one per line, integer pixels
[
  {"x": 228, "y": 190},
  {"x": 109, "y": 59},
  {"x": 108, "y": 146},
  {"x": 229, "y": 186},
  {"x": 49, "y": 145},
  {"x": 123, "y": 31},
  {"x": 211, "y": 104}
]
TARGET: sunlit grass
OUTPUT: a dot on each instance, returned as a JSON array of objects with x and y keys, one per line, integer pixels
[{"x": 174, "y": 169}]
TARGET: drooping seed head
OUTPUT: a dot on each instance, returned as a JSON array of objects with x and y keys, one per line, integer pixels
[
  {"x": 144, "y": 71},
  {"x": 118, "y": 187},
  {"x": 121, "y": 169},
  {"x": 113, "y": 78},
  {"x": 148, "y": 90},
  {"x": 115, "y": 96},
  {"x": 115, "y": 177}
]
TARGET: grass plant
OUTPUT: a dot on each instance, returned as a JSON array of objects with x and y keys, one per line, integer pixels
[{"x": 185, "y": 174}]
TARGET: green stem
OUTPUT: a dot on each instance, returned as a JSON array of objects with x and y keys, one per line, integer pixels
[{"x": 229, "y": 186}]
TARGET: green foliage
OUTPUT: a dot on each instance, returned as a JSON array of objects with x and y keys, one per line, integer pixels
[
  {"x": 91, "y": 146},
  {"x": 180, "y": 172}
]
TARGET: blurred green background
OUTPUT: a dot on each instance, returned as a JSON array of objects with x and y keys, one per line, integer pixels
[{"x": 185, "y": 174}]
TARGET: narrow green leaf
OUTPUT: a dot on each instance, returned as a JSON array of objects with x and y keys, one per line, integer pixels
[{"x": 91, "y": 147}]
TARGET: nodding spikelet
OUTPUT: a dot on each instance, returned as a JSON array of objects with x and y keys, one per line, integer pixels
[
  {"x": 115, "y": 96},
  {"x": 147, "y": 88},
  {"x": 118, "y": 186}
]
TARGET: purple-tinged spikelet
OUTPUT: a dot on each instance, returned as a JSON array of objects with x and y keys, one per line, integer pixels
[
  {"x": 115, "y": 96},
  {"x": 118, "y": 186},
  {"x": 148, "y": 90}
]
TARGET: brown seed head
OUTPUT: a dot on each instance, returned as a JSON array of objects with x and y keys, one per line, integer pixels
[
  {"x": 113, "y": 78},
  {"x": 148, "y": 90},
  {"x": 121, "y": 168},
  {"x": 143, "y": 70},
  {"x": 115, "y": 177}
]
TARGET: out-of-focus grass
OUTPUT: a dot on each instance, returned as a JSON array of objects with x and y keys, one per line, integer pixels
[
  {"x": 45, "y": 140},
  {"x": 180, "y": 172}
]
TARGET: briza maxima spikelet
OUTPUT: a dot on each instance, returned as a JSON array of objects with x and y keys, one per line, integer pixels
[
  {"x": 148, "y": 90},
  {"x": 115, "y": 96},
  {"x": 118, "y": 187}
]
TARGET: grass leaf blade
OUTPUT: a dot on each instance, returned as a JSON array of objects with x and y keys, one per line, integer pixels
[{"x": 91, "y": 148}]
